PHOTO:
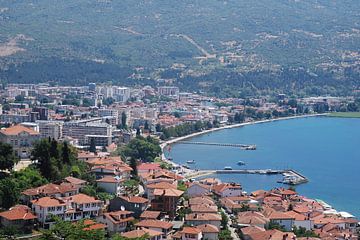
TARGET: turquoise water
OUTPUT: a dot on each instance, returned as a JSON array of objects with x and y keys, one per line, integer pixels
[{"x": 326, "y": 150}]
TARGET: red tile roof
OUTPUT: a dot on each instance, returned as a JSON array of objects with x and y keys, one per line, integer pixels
[
  {"x": 150, "y": 214},
  {"x": 168, "y": 192},
  {"x": 208, "y": 228},
  {"x": 49, "y": 202},
  {"x": 154, "y": 224},
  {"x": 140, "y": 233},
  {"x": 202, "y": 217},
  {"x": 191, "y": 230},
  {"x": 15, "y": 130},
  {"x": 19, "y": 212},
  {"x": 134, "y": 199}
]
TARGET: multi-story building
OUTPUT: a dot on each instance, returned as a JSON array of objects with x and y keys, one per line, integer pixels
[
  {"x": 121, "y": 94},
  {"x": 52, "y": 129},
  {"x": 72, "y": 208},
  {"x": 107, "y": 112},
  {"x": 14, "y": 118},
  {"x": 168, "y": 91},
  {"x": 20, "y": 138},
  {"x": 81, "y": 131},
  {"x": 116, "y": 221}
]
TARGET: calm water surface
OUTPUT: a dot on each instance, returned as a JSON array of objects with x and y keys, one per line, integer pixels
[{"x": 326, "y": 150}]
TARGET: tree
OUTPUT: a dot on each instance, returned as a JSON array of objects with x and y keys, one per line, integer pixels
[
  {"x": 8, "y": 158},
  {"x": 54, "y": 151},
  {"x": 108, "y": 101},
  {"x": 41, "y": 155},
  {"x": 224, "y": 220},
  {"x": 225, "y": 235},
  {"x": 133, "y": 165},
  {"x": 19, "y": 98},
  {"x": 9, "y": 192},
  {"x": 158, "y": 127},
  {"x": 65, "y": 153},
  {"x": 123, "y": 120},
  {"x": 72, "y": 231},
  {"x": 146, "y": 149},
  {"x": 146, "y": 125},
  {"x": 138, "y": 132},
  {"x": 92, "y": 147}
]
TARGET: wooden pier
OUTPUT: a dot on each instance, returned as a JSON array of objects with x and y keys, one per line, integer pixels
[{"x": 238, "y": 145}]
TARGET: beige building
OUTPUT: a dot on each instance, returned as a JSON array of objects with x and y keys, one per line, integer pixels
[{"x": 20, "y": 138}]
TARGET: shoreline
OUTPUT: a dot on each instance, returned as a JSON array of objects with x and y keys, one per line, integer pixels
[
  {"x": 174, "y": 140},
  {"x": 193, "y": 174}
]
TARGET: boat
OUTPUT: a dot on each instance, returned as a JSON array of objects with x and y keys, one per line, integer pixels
[
  {"x": 227, "y": 168},
  {"x": 241, "y": 163},
  {"x": 185, "y": 166},
  {"x": 248, "y": 147},
  {"x": 190, "y": 161}
]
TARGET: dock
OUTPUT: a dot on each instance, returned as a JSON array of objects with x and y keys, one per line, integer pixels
[
  {"x": 290, "y": 176},
  {"x": 238, "y": 145}
]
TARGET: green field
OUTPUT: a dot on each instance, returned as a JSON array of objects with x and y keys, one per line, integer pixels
[{"x": 345, "y": 114}]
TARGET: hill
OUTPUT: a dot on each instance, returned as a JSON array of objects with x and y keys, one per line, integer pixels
[{"x": 226, "y": 47}]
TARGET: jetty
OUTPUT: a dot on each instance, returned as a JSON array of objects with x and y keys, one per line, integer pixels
[
  {"x": 290, "y": 176},
  {"x": 238, "y": 145}
]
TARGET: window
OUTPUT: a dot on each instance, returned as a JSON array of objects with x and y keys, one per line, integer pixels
[
  {"x": 87, "y": 205},
  {"x": 58, "y": 208}
]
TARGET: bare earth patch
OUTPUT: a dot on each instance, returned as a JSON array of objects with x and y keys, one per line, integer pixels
[{"x": 11, "y": 47}]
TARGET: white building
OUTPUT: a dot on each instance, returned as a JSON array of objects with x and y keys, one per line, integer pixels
[
  {"x": 72, "y": 208},
  {"x": 110, "y": 184},
  {"x": 168, "y": 91},
  {"x": 52, "y": 129}
]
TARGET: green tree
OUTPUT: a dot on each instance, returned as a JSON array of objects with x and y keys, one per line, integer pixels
[
  {"x": 146, "y": 125},
  {"x": 65, "y": 153},
  {"x": 92, "y": 147},
  {"x": 225, "y": 234},
  {"x": 8, "y": 158},
  {"x": 69, "y": 231},
  {"x": 108, "y": 101},
  {"x": 146, "y": 149},
  {"x": 19, "y": 98},
  {"x": 138, "y": 132},
  {"x": 41, "y": 154},
  {"x": 9, "y": 192},
  {"x": 54, "y": 150},
  {"x": 123, "y": 120}
]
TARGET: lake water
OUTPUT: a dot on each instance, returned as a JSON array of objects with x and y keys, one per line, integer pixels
[{"x": 326, "y": 150}]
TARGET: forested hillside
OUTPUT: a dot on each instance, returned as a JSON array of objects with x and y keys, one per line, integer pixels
[{"x": 226, "y": 47}]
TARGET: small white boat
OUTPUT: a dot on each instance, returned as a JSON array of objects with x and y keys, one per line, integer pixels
[
  {"x": 227, "y": 168},
  {"x": 190, "y": 161},
  {"x": 241, "y": 163}
]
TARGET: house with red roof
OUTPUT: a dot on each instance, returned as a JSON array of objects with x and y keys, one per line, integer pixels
[
  {"x": 135, "y": 204},
  {"x": 19, "y": 216},
  {"x": 227, "y": 190},
  {"x": 73, "y": 208},
  {"x": 116, "y": 221},
  {"x": 188, "y": 233},
  {"x": 166, "y": 200},
  {"x": 148, "y": 168},
  {"x": 209, "y": 231},
  {"x": 111, "y": 184},
  {"x": 49, "y": 190},
  {"x": 20, "y": 138},
  {"x": 196, "y": 219},
  {"x": 140, "y": 233},
  {"x": 197, "y": 189},
  {"x": 156, "y": 225}
]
